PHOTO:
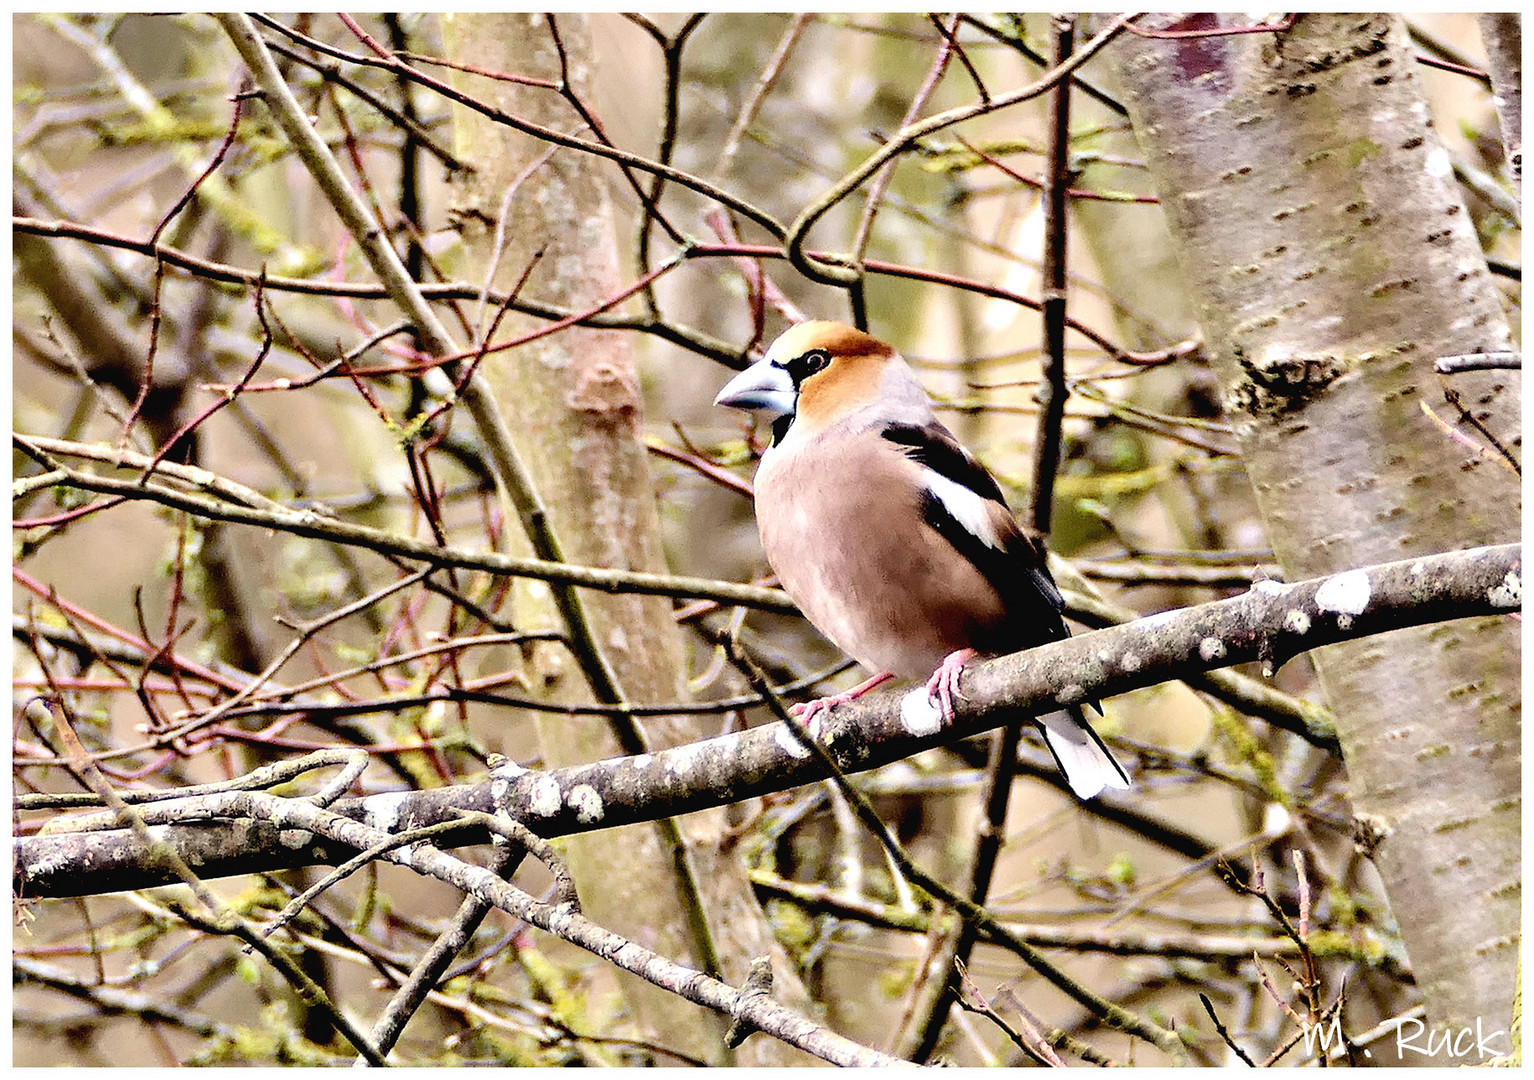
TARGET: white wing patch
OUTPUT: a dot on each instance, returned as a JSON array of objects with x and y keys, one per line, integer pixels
[{"x": 967, "y": 508}]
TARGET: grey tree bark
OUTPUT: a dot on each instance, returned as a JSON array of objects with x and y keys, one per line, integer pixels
[
  {"x": 1502, "y": 34},
  {"x": 1332, "y": 260}
]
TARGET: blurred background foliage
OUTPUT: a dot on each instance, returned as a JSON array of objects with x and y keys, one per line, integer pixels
[{"x": 116, "y": 116}]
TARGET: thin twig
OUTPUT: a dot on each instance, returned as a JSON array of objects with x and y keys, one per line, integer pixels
[
  {"x": 1487, "y": 361},
  {"x": 1224, "y": 1034},
  {"x": 763, "y": 86},
  {"x": 307, "y": 522},
  {"x": 600, "y": 149},
  {"x": 428, "y": 971},
  {"x": 1108, "y": 1011},
  {"x": 1052, "y": 392},
  {"x": 885, "y": 174},
  {"x": 841, "y": 274},
  {"x": 1032, "y": 1044}
]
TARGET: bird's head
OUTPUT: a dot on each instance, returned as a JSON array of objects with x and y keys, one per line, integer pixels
[{"x": 820, "y": 372}]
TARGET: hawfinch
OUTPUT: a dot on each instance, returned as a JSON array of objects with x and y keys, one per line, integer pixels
[{"x": 894, "y": 541}]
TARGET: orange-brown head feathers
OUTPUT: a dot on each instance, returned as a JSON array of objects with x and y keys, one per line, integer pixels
[
  {"x": 836, "y": 369},
  {"x": 820, "y": 373}
]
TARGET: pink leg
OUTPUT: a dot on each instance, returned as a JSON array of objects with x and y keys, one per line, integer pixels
[
  {"x": 808, "y": 712},
  {"x": 943, "y": 687}
]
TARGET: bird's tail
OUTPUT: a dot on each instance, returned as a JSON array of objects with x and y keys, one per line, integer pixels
[{"x": 1079, "y": 751}]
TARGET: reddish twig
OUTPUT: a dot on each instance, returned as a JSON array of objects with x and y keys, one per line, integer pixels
[
  {"x": 1504, "y": 458},
  {"x": 229, "y": 396},
  {"x": 723, "y": 477},
  {"x": 1029, "y": 181},
  {"x": 393, "y": 63},
  {"x": 1458, "y": 69},
  {"x": 1282, "y": 26},
  {"x": 935, "y": 277},
  {"x": 96, "y": 622},
  {"x": 886, "y": 173},
  {"x": 218, "y": 159},
  {"x": 1029, "y": 1041},
  {"x": 762, "y": 288},
  {"x": 146, "y": 383},
  {"x": 66, "y": 517},
  {"x": 951, "y": 44}
]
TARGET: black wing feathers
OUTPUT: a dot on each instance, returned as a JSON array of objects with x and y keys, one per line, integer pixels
[
  {"x": 1017, "y": 569},
  {"x": 939, "y": 451}
]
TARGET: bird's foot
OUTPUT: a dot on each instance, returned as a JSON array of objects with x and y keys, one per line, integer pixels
[
  {"x": 943, "y": 687},
  {"x": 809, "y": 713}
]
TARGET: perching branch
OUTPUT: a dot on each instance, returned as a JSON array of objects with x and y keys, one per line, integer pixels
[{"x": 1271, "y": 623}]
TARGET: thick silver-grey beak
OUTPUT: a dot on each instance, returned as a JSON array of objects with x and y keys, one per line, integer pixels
[{"x": 763, "y": 385}]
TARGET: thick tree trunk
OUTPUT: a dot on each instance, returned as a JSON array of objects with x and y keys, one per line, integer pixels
[
  {"x": 1332, "y": 261},
  {"x": 572, "y": 402}
]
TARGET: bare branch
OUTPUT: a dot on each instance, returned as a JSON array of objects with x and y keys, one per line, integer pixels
[{"x": 1268, "y": 623}]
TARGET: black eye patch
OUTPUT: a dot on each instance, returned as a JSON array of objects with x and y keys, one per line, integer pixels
[{"x": 804, "y": 365}]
